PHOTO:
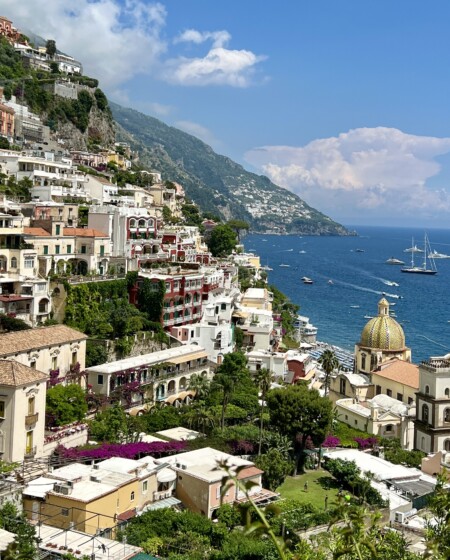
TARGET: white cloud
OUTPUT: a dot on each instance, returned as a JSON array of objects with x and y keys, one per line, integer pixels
[
  {"x": 220, "y": 66},
  {"x": 377, "y": 169},
  {"x": 219, "y": 38},
  {"x": 119, "y": 39},
  {"x": 114, "y": 40}
]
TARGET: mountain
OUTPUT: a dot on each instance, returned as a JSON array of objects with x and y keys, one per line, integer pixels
[{"x": 215, "y": 182}]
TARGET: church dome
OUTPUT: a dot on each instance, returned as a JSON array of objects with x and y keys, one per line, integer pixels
[{"x": 383, "y": 332}]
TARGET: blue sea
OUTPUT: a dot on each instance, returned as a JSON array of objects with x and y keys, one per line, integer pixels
[{"x": 357, "y": 267}]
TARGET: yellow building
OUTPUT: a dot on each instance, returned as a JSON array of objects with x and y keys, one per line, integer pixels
[
  {"x": 382, "y": 339},
  {"x": 97, "y": 498},
  {"x": 397, "y": 379}
]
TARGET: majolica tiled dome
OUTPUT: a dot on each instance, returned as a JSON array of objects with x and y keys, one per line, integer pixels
[{"x": 383, "y": 332}]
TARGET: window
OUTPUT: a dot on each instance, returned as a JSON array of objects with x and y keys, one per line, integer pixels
[
  {"x": 447, "y": 445},
  {"x": 363, "y": 361},
  {"x": 399, "y": 397},
  {"x": 132, "y": 496},
  {"x": 102, "y": 250},
  {"x": 45, "y": 249},
  {"x": 447, "y": 392},
  {"x": 74, "y": 358},
  {"x": 425, "y": 412},
  {"x": 99, "y": 379},
  {"x": 346, "y": 416},
  {"x": 389, "y": 428},
  {"x": 54, "y": 362},
  {"x": 144, "y": 486},
  {"x": 57, "y": 249},
  {"x": 69, "y": 249},
  {"x": 2, "y": 409},
  {"x": 389, "y": 392},
  {"x": 356, "y": 422},
  {"x": 29, "y": 262},
  {"x": 65, "y": 512},
  {"x": 43, "y": 306},
  {"x": 33, "y": 364},
  {"x": 447, "y": 415},
  {"x": 57, "y": 229},
  {"x": 378, "y": 390},
  {"x": 14, "y": 262},
  {"x": 218, "y": 492},
  {"x": 342, "y": 386},
  {"x": 427, "y": 389},
  {"x": 31, "y": 402},
  {"x": 83, "y": 249},
  {"x": 410, "y": 400}
]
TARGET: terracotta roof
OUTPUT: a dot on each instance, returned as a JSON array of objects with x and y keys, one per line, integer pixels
[
  {"x": 37, "y": 231},
  {"x": 400, "y": 371},
  {"x": 14, "y": 374},
  {"x": 126, "y": 515},
  {"x": 30, "y": 339},
  {"x": 249, "y": 471},
  {"x": 84, "y": 232},
  {"x": 14, "y": 297}
]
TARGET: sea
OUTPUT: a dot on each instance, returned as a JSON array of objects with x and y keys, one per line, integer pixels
[{"x": 360, "y": 278}]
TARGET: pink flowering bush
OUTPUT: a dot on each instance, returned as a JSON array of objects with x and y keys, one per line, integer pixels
[
  {"x": 365, "y": 443},
  {"x": 331, "y": 441},
  {"x": 125, "y": 450}
]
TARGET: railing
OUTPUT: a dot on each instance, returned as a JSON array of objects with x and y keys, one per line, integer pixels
[
  {"x": 31, "y": 419},
  {"x": 162, "y": 495}
]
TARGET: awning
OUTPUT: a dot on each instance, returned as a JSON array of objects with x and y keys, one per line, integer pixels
[
  {"x": 187, "y": 357},
  {"x": 126, "y": 515},
  {"x": 166, "y": 475},
  {"x": 160, "y": 504},
  {"x": 185, "y": 394}
]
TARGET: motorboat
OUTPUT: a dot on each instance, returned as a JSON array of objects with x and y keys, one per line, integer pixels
[
  {"x": 390, "y": 283},
  {"x": 393, "y": 260},
  {"x": 368, "y": 316},
  {"x": 428, "y": 266},
  {"x": 354, "y": 306},
  {"x": 437, "y": 255},
  {"x": 307, "y": 280},
  {"x": 266, "y": 268},
  {"x": 330, "y": 282},
  {"x": 285, "y": 265},
  {"x": 413, "y": 249},
  {"x": 302, "y": 252},
  {"x": 359, "y": 251}
]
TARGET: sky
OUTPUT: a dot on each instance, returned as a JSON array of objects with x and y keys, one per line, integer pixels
[{"x": 344, "y": 102}]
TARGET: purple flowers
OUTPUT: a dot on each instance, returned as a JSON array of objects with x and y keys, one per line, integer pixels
[
  {"x": 125, "y": 450},
  {"x": 331, "y": 441},
  {"x": 365, "y": 443}
]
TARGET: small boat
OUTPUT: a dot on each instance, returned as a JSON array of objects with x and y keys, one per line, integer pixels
[
  {"x": 266, "y": 267},
  {"x": 359, "y": 251},
  {"x": 302, "y": 252},
  {"x": 390, "y": 283},
  {"x": 368, "y": 316},
  {"x": 285, "y": 265},
  {"x": 307, "y": 280},
  {"x": 330, "y": 282},
  {"x": 354, "y": 306},
  {"x": 413, "y": 249},
  {"x": 436, "y": 255},
  {"x": 392, "y": 260},
  {"x": 414, "y": 269}
]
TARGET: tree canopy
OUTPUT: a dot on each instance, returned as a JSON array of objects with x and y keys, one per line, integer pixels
[
  {"x": 65, "y": 404},
  {"x": 222, "y": 241}
]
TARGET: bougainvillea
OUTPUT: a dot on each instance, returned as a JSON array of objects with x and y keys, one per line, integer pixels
[
  {"x": 365, "y": 443},
  {"x": 331, "y": 441},
  {"x": 125, "y": 450}
]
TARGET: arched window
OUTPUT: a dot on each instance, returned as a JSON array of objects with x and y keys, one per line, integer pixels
[
  {"x": 427, "y": 389},
  {"x": 133, "y": 223},
  {"x": 447, "y": 392},
  {"x": 447, "y": 445},
  {"x": 14, "y": 262},
  {"x": 447, "y": 415},
  {"x": 142, "y": 223},
  {"x": 425, "y": 412}
]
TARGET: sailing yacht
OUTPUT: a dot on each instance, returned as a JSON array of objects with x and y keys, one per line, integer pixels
[{"x": 427, "y": 258}]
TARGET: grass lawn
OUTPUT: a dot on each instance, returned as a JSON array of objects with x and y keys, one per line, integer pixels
[{"x": 320, "y": 484}]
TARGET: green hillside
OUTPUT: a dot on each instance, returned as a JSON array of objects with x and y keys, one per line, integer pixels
[{"x": 216, "y": 183}]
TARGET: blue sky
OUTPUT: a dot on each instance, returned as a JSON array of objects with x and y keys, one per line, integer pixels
[{"x": 344, "y": 102}]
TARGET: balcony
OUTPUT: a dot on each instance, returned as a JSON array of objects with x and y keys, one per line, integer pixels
[
  {"x": 30, "y": 452},
  {"x": 162, "y": 495},
  {"x": 31, "y": 419}
]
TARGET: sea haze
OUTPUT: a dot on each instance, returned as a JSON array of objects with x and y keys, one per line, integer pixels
[{"x": 356, "y": 265}]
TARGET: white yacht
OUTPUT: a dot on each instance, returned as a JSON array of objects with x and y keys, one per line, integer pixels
[
  {"x": 392, "y": 260},
  {"x": 435, "y": 255}
]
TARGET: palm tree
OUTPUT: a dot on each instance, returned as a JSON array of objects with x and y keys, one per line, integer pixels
[
  {"x": 263, "y": 379},
  {"x": 200, "y": 384},
  {"x": 329, "y": 363},
  {"x": 229, "y": 374}
]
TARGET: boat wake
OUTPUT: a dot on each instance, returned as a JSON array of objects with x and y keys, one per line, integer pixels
[{"x": 364, "y": 289}]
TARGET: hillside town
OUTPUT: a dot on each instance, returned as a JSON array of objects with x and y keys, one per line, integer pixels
[{"x": 151, "y": 376}]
